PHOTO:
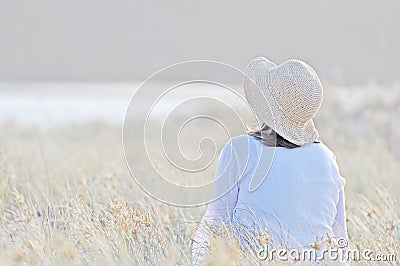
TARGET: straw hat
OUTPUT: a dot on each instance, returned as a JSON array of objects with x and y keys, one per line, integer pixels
[{"x": 285, "y": 97}]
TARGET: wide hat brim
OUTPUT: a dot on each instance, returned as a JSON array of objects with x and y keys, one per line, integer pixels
[{"x": 267, "y": 110}]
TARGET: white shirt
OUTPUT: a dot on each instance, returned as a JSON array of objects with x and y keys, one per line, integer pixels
[{"x": 294, "y": 194}]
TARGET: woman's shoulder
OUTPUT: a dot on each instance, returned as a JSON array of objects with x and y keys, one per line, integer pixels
[
  {"x": 330, "y": 156},
  {"x": 243, "y": 146},
  {"x": 324, "y": 149},
  {"x": 240, "y": 141}
]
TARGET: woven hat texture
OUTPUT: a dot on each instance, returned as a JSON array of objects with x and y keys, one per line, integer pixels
[{"x": 285, "y": 97}]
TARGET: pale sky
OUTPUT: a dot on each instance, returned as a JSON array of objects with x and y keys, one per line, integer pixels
[{"x": 348, "y": 42}]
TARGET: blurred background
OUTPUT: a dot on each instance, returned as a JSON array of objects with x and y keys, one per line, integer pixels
[
  {"x": 64, "y": 62},
  {"x": 349, "y": 43},
  {"x": 52, "y": 51},
  {"x": 75, "y": 63}
]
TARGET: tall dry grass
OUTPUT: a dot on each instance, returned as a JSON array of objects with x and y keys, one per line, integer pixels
[{"x": 66, "y": 196}]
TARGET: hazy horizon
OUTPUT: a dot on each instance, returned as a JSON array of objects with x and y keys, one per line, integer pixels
[{"x": 349, "y": 43}]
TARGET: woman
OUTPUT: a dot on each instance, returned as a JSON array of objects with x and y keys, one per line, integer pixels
[{"x": 278, "y": 179}]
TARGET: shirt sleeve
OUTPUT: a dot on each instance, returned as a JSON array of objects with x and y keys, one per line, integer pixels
[
  {"x": 339, "y": 227},
  {"x": 220, "y": 211}
]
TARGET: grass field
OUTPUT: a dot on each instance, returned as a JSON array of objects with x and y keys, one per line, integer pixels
[{"x": 67, "y": 198}]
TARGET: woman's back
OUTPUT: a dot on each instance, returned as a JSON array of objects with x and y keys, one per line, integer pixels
[{"x": 297, "y": 195}]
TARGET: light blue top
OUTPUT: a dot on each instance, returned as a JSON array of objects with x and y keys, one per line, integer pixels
[{"x": 295, "y": 194}]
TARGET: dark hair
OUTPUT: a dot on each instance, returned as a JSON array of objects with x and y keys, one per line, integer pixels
[{"x": 267, "y": 136}]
